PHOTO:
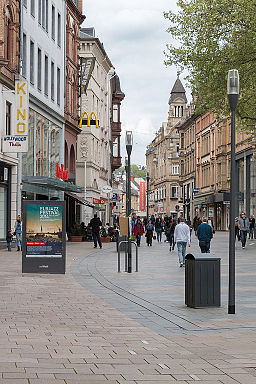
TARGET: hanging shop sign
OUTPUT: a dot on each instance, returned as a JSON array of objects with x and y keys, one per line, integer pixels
[
  {"x": 13, "y": 144},
  {"x": 61, "y": 173},
  {"x": 89, "y": 121},
  {"x": 142, "y": 196},
  {"x": 98, "y": 201},
  {"x": 106, "y": 189},
  {"x": 87, "y": 66},
  {"x": 21, "y": 108},
  {"x": 44, "y": 237}
]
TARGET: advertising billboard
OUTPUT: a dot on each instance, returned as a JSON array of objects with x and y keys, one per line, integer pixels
[
  {"x": 43, "y": 237},
  {"x": 142, "y": 196}
]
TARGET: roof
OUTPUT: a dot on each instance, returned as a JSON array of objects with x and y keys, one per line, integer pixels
[{"x": 178, "y": 91}]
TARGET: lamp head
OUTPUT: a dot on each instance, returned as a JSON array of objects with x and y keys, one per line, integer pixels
[
  {"x": 128, "y": 142},
  {"x": 233, "y": 82}
]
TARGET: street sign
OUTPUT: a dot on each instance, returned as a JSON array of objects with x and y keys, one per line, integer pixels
[
  {"x": 106, "y": 189},
  {"x": 196, "y": 190},
  {"x": 12, "y": 144}
]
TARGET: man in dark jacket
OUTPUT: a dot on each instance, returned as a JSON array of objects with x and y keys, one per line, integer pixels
[
  {"x": 95, "y": 224},
  {"x": 204, "y": 235}
]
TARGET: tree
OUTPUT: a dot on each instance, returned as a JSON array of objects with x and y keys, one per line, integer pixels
[
  {"x": 135, "y": 170},
  {"x": 213, "y": 37}
]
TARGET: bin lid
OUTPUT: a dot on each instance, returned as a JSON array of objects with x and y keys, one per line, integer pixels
[{"x": 202, "y": 256}]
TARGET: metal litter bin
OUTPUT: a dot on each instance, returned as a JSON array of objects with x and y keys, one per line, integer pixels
[
  {"x": 123, "y": 246},
  {"x": 202, "y": 280}
]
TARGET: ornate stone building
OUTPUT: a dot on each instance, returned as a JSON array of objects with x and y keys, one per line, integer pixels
[
  {"x": 9, "y": 67},
  {"x": 162, "y": 158}
]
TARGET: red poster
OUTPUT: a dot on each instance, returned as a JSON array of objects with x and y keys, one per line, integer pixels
[
  {"x": 142, "y": 196},
  {"x": 98, "y": 201}
]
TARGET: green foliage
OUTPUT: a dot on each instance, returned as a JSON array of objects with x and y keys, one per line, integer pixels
[
  {"x": 213, "y": 37},
  {"x": 103, "y": 232},
  {"x": 76, "y": 230},
  {"x": 135, "y": 171}
]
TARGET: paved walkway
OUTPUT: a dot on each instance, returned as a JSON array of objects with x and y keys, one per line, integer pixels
[{"x": 54, "y": 330}]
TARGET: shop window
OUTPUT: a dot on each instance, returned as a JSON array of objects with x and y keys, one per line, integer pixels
[{"x": 55, "y": 148}]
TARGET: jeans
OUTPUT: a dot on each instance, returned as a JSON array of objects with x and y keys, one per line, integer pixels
[
  {"x": 237, "y": 233},
  {"x": 18, "y": 239},
  {"x": 181, "y": 245},
  {"x": 138, "y": 237},
  {"x": 205, "y": 246},
  {"x": 251, "y": 233},
  {"x": 159, "y": 234},
  {"x": 243, "y": 235},
  {"x": 171, "y": 240},
  {"x": 9, "y": 246},
  {"x": 96, "y": 237}
]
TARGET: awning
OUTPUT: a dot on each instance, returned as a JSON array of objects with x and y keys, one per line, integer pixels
[
  {"x": 79, "y": 199},
  {"x": 50, "y": 183}
]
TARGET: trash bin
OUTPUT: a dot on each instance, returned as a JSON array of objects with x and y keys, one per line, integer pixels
[
  {"x": 123, "y": 245},
  {"x": 202, "y": 280}
]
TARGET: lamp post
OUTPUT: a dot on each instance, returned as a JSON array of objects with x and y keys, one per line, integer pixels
[
  {"x": 128, "y": 143},
  {"x": 147, "y": 195},
  {"x": 233, "y": 96}
]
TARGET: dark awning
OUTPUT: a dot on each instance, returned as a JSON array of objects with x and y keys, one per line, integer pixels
[
  {"x": 79, "y": 199},
  {"x": 51, "y": 183}
]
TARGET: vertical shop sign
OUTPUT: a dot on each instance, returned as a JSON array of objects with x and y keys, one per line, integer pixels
[
  {"x": 142, "y": 196},
  {"x": 21, "y": 108},
  {"x": 44, "y": 237}
]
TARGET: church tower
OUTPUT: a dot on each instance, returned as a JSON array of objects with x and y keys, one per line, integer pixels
[{"x": 177, "y": 103}]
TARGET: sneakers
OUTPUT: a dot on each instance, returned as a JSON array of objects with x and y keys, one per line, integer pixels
[
  {"x": 181, "y": 265},
  {"x": 243, "y": 247}
]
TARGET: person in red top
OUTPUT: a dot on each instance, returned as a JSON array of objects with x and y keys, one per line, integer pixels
[{"x": 138, "y": 231}]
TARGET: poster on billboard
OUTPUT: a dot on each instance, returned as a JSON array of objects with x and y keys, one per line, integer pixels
[
  {"x": 142, "y": 196},
  {"x": 44, "y": 237},
  {"x": 12, "y": 144}
]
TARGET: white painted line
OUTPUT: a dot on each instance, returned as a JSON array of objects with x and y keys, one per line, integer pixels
[
  {"x": 144, "y": 342},
  {"x": 132, "y": 352},
  {"x": 194, "y": 377},
  {"x": 251, "y": 244},
  {"x": 163, "y": 366}
]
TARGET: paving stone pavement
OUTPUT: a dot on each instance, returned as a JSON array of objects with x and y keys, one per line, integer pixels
[{"x": 55, "y": 330}]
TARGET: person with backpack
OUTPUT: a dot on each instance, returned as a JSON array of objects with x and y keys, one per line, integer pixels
[{"x": 204, "y": 235}]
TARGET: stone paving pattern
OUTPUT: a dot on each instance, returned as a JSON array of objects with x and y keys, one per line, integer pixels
[{"x": 54, "y": 330}]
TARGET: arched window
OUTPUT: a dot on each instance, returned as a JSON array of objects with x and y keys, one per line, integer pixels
[
  {"x": 66, "y": 155},
  {"x": 72, "y": 159},
  {"x": 8, "y": 34}
]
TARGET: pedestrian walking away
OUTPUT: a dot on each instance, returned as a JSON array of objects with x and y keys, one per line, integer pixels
[
  {"x": 204, "y": 235},
  {"x": 138, "y": 231},
  {"x": 196, "y": 222},
  {"x": 243, "y": 225},
  {"x": 182, "y": 238},
  {"x": 18, "y": 232},
  {"x": 95, "y": 224},
  {"x": 172, "y": 229},
  {"x": 149, "y": 233},
  {"x": 9, "y": 238},
  {"x": 251, "y": 227},
  {"x": 158, "y": 229}
]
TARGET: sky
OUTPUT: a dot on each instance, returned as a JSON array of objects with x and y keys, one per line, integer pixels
[{"x": 134, "y": 36}]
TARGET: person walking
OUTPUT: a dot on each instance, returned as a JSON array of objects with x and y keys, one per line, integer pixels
[
  {"x": 158, "y": 229},
  {"x": 196, "y": 222},
  {"x": 204, "y": 235},
  {"x": 172, "y": 229},
  {"x": 149, "y": 233},
  {"x": 237, "y": 232},
  {"x": 251, "y": 227},
  {"x": 243, "y": 225},
  {"x": 18, "y": 232},
  {"x": 182, "y": 238},
  {"x": 9, "y": 238},
  {"x": 138, "y": 231},
  {"x": 95, "y": 224}
]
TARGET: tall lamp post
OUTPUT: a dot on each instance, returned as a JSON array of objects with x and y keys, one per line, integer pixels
[
  {"x": 233, "y": 96},
  {"x": 148, "y": 178},
  {"x": 128, "y": 143}
]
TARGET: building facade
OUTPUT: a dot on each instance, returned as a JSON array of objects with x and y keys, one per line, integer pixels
[
  {"x": 9, "y": 68},
  {"x": 162, "y": 159},
  {"x": 116, "y": 125}
]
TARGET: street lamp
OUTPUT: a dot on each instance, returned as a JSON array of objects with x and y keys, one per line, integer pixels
[
  {"x": 128, "y": 143},
  {"x": 233, "y": 96},
  {"x": 148, "y": 178}
]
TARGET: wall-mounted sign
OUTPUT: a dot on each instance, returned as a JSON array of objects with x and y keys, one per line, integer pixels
[
  {"x": 61, "y": 173},
  {"x": 15, "y": 144},
  {"x": 114, "y": 196},
  {"x": 98, "y": 201},
  {"x": 106, "y": 189},
  {"x": 142, "y": 196},
  {"x": 87, "y": 66},
  {"x": 89, "y": 120},
  {"x": 21, "y": 108},
  {"x": 44, "y": 237}
]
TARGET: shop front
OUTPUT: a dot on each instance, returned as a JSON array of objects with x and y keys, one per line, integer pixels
[{"x": 5, "y": 201}]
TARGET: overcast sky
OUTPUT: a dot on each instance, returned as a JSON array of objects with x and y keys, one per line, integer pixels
[{"x": 134, "y": 36}]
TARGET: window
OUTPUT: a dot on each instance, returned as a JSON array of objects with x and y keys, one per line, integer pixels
[
  {"x": 46, "y": 15},
  {"x": 174, "y": 192},
  {"x": 175, "y": 168},
  {"x": 32, "y": 8},
  {"x": 39, "y": 69},
  {"x": 46, "y": 75},
  {"x": 8, "y": 119},
  {"x": 58, "y": 86},
  {"x": 24, "y": 56},
  {"x": 40, "y": 12},
  {"x": 59, "y": 31},
  {"x": 32, "y": 59},
  {"x": 115, "y": 113},
  {"x": 53, "y": 22},
  {"x": 52, "y": 81},
  {"x": 115, "y": 147}
]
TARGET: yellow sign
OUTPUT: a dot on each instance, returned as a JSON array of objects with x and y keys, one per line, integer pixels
[
  {"x": 88, "y": 119},
  {"x": 22, "y": 108}
]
